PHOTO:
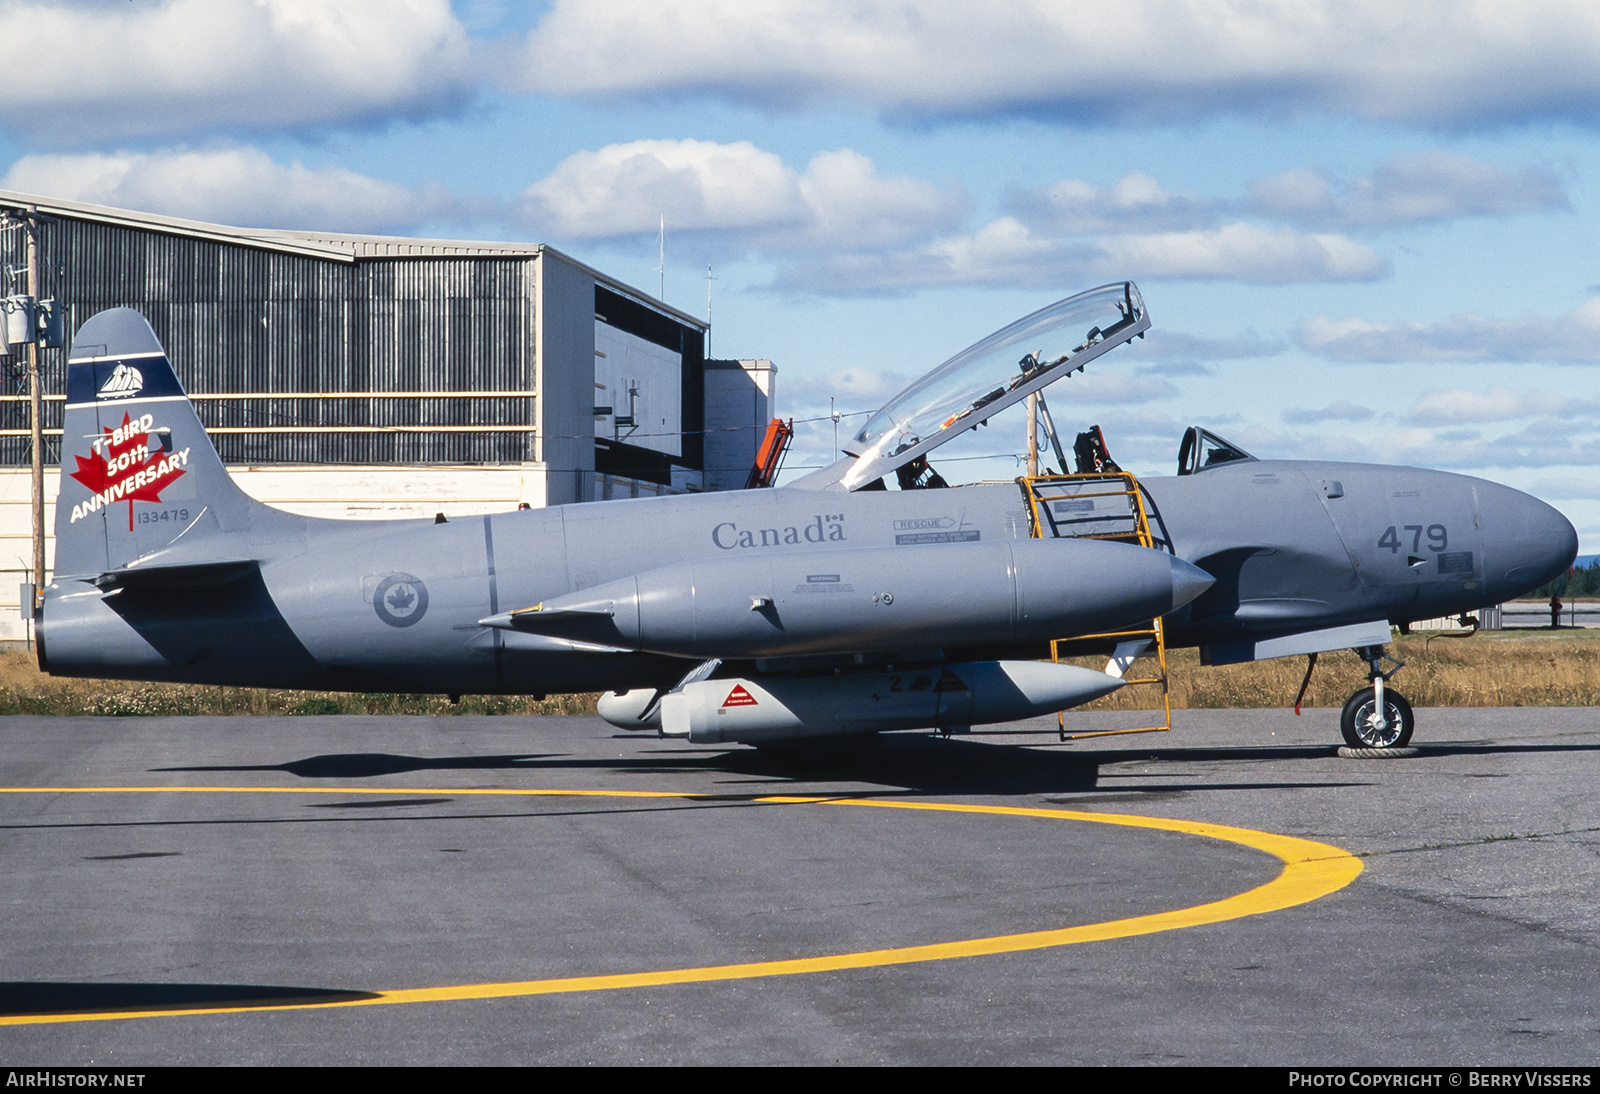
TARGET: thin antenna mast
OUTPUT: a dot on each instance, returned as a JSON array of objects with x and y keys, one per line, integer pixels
[
  {"x": 710, "y": 277},
  {"x": 661, "y": 267}
]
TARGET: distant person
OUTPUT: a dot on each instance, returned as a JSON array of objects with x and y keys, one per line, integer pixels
[{"x": 1555, "y": 611}]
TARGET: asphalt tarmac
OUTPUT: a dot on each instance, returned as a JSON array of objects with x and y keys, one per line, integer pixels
[{"x": 340, "y": 890}]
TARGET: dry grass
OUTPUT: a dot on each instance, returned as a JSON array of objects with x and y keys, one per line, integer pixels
[
  {"x": 1499, "y": 669},
  {"x": 1503, "y": 669},
  {"x": 25, "y": 690}
]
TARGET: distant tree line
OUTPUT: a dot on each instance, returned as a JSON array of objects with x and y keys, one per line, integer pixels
[{"x": 1580, "y": 581}]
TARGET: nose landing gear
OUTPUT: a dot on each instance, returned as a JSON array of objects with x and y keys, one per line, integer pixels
[{"x": 1377, "y": 716}]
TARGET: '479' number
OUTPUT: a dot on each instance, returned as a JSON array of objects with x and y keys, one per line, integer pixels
[{"x": 1438, "y": 537}]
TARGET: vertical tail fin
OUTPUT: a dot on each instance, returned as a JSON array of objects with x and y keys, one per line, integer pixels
[{"x": 137, "y": 469}]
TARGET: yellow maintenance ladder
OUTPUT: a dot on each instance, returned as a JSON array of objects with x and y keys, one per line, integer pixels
[{"x": 1102, "y": 505}]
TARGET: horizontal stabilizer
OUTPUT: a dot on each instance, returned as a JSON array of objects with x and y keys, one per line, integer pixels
[{"x": 177, "y": 578}]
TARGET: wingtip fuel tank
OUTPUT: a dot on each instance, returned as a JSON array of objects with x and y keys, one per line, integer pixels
[{"x": 740, "y": 709}]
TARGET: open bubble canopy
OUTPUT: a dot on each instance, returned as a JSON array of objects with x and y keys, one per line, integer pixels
[{"x": 986, "y": 378}]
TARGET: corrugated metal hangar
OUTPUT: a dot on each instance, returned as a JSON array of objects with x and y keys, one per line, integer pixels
[{"x": 371, "y": 376}]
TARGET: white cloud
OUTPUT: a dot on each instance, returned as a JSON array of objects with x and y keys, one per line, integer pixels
[
  {"x": 1498, "y": 404},
  {"x": 1136, "y": 202},
  {"x": 841, "y": 227},
  {"x": 1567, "y": 488},
  {"x": 623, "y": 189},
  {"x": 1341, "y": 410},
  {"x": 1001, "y": 252},
  {"x": 1406, "y": 189},
  {"x": 1176, "y": 354},
  {"x": 703, "y": 186},
  {"x": 1006, "y": 252},
  {"x": 1112, "y": 389},
  {"x": 235, "y": 185},
  {"x": 853, "y": 205},
  {"x": 1543, "y": 443},
  {"x": 78, "y": 72},
  {"x": 852, "y": 388},
  {"x": 1245, "y": 252},
  {"x": 1573, "y": 338},
  {"x": 1414, "y": 61}
]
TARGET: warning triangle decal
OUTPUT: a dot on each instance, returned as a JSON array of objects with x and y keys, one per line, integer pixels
[
  {"x": 739, "y": 697},
  {"x": 950, "y": 682}
]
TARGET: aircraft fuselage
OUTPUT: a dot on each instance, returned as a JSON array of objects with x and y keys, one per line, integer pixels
[{"x": 1294, "y": 546}]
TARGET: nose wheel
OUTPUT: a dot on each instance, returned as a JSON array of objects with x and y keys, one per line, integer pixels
[
  {"x": 1363, "y": 728},
  {"x": 1377, "y": 716}
]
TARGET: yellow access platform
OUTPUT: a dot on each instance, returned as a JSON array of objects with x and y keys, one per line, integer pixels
[{"x": 1102, "y": 505}]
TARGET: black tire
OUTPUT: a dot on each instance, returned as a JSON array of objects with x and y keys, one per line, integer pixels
[{"x": 1357, "y": 721}]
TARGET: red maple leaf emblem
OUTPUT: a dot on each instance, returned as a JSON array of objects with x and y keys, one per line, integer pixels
[{"x": 121, "y": 466}]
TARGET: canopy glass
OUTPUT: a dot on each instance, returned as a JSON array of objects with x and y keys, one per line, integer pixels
[{"x": 985, "y": 378}]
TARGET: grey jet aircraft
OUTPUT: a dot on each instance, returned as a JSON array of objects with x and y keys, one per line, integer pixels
[{"x": 829, "y": 606}]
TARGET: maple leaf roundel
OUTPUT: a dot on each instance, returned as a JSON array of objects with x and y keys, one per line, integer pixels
[{"x": 400, "y": 600}]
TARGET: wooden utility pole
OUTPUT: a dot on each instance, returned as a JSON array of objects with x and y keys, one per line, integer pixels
[{"x": 1033, "y": 435}]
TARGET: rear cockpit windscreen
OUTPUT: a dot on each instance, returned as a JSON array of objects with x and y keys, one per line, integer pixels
[{"x": 1202, "y": 449}]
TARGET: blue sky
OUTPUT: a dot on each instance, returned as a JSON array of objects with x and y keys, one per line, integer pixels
[{"x": 1366, "y": 229}]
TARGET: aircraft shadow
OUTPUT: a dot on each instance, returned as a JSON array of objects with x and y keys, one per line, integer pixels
[
  {"x": 20, "y": 997},
  {"x": 910, "y": 761},
  {"x": 924, "y": 764},
  {"x": 898, "y": 764},
  {"x": 1312, "y": 752},
  {"x": 1488, "y": 748},
  {"x": 367, "y": 765},
  {"x": 929, "y": 765}
]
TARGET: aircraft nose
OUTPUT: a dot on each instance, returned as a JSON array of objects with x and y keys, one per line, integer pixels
[
  {"x": 1188, "y": 582},
  {"x": 1526, "y": 542}
]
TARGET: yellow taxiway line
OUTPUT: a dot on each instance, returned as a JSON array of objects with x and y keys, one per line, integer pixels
[{"x": 1310, "y": 870}]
